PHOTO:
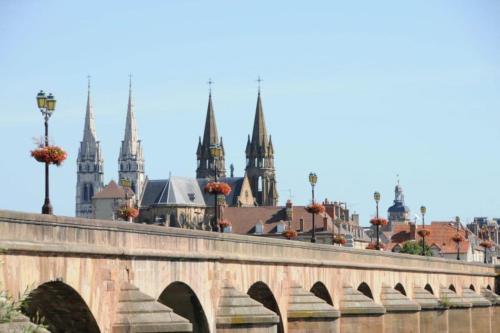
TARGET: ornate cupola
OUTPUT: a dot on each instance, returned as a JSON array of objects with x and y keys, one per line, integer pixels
[{"x": 398, "y": 212}]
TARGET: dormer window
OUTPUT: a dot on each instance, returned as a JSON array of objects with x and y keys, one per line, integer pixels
[
  {"x": 191, "y": 196},
  {"x": 259, "y": 228},
  {"x": 280, "y": 228}
]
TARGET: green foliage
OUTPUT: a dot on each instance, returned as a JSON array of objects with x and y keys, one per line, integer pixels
[
  {"x": 415, "y": 247},
  {"x": 444, "y": 302}
]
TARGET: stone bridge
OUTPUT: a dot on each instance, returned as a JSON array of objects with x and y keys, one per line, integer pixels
[{"x": 105, "y": 276}]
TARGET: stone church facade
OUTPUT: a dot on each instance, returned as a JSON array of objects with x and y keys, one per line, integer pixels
[{"x": 177, "y": 201}]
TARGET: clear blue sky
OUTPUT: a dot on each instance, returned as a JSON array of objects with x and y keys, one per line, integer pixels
[{"x": 357, "y": 91}]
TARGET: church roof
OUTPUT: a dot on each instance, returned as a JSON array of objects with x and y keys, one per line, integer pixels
[
  {"x": 174, "y": 191},
  {"x": 259, "y": 134},
  {"x": 89, "y": 147}
]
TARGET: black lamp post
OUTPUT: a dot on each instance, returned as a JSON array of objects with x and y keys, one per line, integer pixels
[
  {"x": 47, "y": 105},
  {"x": 423, "y": 210},
  {"x": 215, "y": 151},
  {"x": 376, "y": 196},
  {"x": 457, "y": 220},
  {"x": 313, "y": 179}
]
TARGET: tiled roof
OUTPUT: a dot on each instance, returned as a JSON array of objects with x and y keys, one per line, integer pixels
[
  {"x": 113, "y": 191},
  {"x": 441, "y": 234},
  {"x": 174, "y": 191},
  {"x": 244, "y": 219}
]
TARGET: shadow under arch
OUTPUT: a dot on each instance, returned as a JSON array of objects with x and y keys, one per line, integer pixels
[
  {"x": 452, "y": 288},
  {"x": 365, "y": 290},
  {"x": 59, "y": 307},
  {"x": 429, "y": 288},
  {"x": 472, "y": 287},
  {"x": 183, "y": 301},
  {"x": 320, "y": 290},
  {"x": 399, "y": 287},
  {"x": 260, "y": 292}
]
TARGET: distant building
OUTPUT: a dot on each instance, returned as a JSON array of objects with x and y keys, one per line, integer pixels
[
  {"x": 273, "y": 221},
  {"x": 107, "y": 201},
  {"x": 440, "y": 240}
]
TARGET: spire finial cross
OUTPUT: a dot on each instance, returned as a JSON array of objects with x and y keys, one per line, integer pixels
[
  {"x": 210, "y": 82},
  {"x": 130, "y": 82},
  {"x": 88, "y": 82},
  {"x": 397, "y": 178},
  {"x": 259, "y": 80}
]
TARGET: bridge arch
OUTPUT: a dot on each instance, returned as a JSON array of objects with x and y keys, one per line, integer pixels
[
  {"x": 365, "y": 290},
  {"x": 429, "y": 288},
  {"x": 452, "y": 288},
  {"x": 399, "y": 287},
  {"x": 320, "y": 290},
  {"x": 488, "y": 287},
  {"x": 182, "y": 300},
  {"x": 472, "y": 287},
  {"x": 59, "y": 307},
  {"x": 260, "y": 292}
]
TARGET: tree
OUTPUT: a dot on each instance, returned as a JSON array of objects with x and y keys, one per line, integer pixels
[{"x": 415, "y": 247}]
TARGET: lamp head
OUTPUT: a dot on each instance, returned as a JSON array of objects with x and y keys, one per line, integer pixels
[
  {"x": 50, "y": 103},
  {"x": 41, "y": 99},
  {"x": 313, "y": 178},
  {"x": 423, "y": 210},
  {"x": 376, "y": 196}
]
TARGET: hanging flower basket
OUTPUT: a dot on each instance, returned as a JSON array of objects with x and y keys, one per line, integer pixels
[
  {"x": 218, "y": 188},
  {"x": 373, "y": 246},
  {"x": 49, "y": 154},
  {"x": 458, "y": 238},
  {"x": 378, "y": 221},
  {"x": 128, "y": 212},
  {"x": 339, "y": 239},
  {"x": 315, "y": 208},
  {"x": 224, "y": 223},
  {"x": 423, "y": 233},
  {"x": 487, "y": 244},
  {"x": 290, "y": 234}
]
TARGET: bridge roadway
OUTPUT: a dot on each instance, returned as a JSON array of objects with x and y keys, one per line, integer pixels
[{"x": 104, "y": 276}]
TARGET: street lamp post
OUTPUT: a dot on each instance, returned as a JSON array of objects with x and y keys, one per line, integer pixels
[
  {"x": 47, "y": 105},
  {"x": 215, "y": 151},
  {"x": 423, "y": 210},
  {"x": 376, "y": 196},
  {"x": 457, "y": 220},
  {"x": 313, "y": 179}
]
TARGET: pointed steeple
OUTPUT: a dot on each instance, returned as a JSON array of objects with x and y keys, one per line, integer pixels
[
  {"x": 129, "y": 143},
  {"x": 210, "y": 136},
  {"x": 259, "y": 134},
  {"x": 89, "y": 164},
  {"x": 89, "y": 134}
]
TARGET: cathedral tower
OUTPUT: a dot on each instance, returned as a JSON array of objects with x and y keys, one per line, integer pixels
[
  {"x": 89, "y": 164},
  {"x": 260, "y": 161},
  {"x": 206, "y": 162},
  {"x": 131, "y": 160}
]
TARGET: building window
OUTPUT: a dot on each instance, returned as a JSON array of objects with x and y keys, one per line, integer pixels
[
  {"x": 259, "y": 228},
  {"x": 280, "y": 228}
]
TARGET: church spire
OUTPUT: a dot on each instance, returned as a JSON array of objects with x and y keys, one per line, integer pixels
[
  {"x": 259, "y": 134},
  {"x": 206, "y": 162},
  {"x": 131, "y": 161},
  {"x": 210, "y": 136},
  {"x": 129, "y": 143},
  {"x": 89, "y": 164}
]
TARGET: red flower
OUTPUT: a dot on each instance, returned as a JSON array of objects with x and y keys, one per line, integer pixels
[
  {"x": 315, "y": 208},
  {"x": 458, "y": 238},
  {"x": 487, "y": 244},
  {"x": 225, "y": 223},
  {"x": 290, "y": 234},
  {"x": 378, "y": 221},
  {"x": 49, "y": 154},
  {"x": 339, "y": 239},
  {"x": 423, "y": 232},
  {"x": 218, "y": 188},
  {"x": 373, "y": 246},
  {"x": 126, "y": 212}
]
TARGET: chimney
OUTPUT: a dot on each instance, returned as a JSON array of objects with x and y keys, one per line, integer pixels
[
  {"x": 329, "y": 208},
  {"x": 325, "y": 223},
  {"x": 301, "y": 224},
  {"x": 413, "y": 231}
]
